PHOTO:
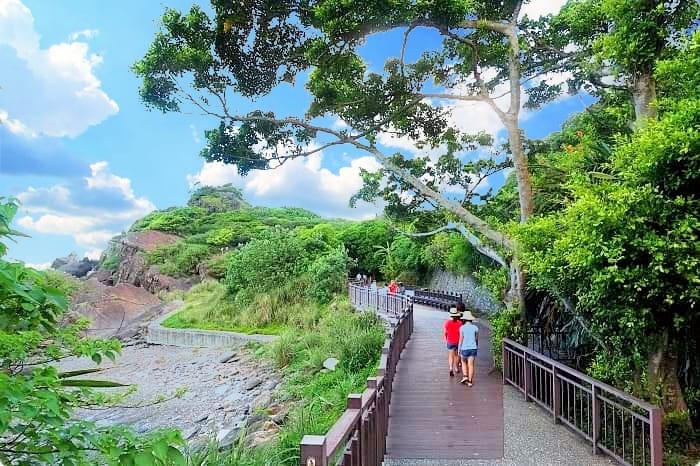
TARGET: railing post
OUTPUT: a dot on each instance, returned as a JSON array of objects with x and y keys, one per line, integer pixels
[
  {"x": 556, "y": 395},
  {"x": 595, "y": 415},
  {"x": 313, "y": 451},
  {"x": 504, "y": 361},
  {"x": 526, "y": 377},
  {"x": 655, "y": 441}
]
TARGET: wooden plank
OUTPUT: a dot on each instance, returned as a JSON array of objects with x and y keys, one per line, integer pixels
[{"x": 433, "y": 416}]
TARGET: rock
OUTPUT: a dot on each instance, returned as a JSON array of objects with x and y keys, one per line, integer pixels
[
  {"x": 129, "y": 250},
  {"x": 72, "y": 265},
  {"x": 278, "y": 413},
  {"x": 330, "y": 364},
  {"x": 228, "y": 436},
  {"x": 202, "y": 419},
  {"x": 227, "y": 357},
  {"x": 261, "y": 401},
  {"x": 252, "y": 383},
  {"x": 267, "y": 434},
  {"x": 189, "y": 433}
]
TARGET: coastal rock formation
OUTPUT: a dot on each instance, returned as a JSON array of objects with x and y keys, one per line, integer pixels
[
  {"x": 130, "y": 249},
  {"x": 73, "y": 265}
]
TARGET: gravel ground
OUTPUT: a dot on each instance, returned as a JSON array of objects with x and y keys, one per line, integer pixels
[
  {"x": 219, "y": 395},
  {"x": 531, "y": 439}
]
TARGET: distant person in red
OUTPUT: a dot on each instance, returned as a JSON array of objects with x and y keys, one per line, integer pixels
[
  {"x": 451, "y": 327},
  {"x": 393, "y": 287}
]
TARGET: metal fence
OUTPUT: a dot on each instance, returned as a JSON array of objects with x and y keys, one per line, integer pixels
[
  {"x": 358, "y": 438},
  {"x": 617, "y": 424},
  {"x": 364, "y": 297}
]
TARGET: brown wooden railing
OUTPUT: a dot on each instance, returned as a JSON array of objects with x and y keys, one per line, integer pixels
[
  {"x": 362, "y": 297},
  {"x": 617, "y": 424},
  {"x": 358, "y": 438}
]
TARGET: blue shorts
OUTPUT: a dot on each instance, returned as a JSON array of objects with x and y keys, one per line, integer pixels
[
  {"x": 468, "y": 353},
  {"x": 452, "y": 346}
]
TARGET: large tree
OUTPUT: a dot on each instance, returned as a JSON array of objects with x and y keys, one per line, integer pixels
[
  {"x": 611, "y": 46},
  {"x": 249, "y": 47}
]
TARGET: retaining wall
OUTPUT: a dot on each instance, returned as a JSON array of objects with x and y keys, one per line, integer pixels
[{"x": 188, "y": 338}]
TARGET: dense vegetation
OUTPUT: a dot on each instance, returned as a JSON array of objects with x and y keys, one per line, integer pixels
[{"x": 36, "y": 400}]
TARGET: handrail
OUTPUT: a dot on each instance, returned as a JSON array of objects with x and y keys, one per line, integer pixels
[
  {"x": 359, "y": 436},
  {"x": 624, "y": 427}
]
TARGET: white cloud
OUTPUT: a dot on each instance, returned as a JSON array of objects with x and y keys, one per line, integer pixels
[
  {"x": 537, "y": 8},
  {"x": 195, "y": 134},
  {"x": 86, "y": 33},
  {"x": 15, "y": 126},
  {"x": 299, "y": 182},
  {"x": 51, "y": 91},
  {"x": 91, "y": 210}
]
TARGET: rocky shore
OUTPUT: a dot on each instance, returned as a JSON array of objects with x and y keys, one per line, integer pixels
[{"x": 225, "y": 393}]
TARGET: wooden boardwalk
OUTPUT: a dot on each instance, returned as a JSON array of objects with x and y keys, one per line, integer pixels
[{"x": 432, "y": 415}]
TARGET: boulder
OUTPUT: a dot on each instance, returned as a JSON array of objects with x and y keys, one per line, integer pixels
[
  {"x": 330, "y": 364},
  {"x": 252, "y": 383},
  {"x": 261, "y": 401},
  {"x": 154, "y": 281}
]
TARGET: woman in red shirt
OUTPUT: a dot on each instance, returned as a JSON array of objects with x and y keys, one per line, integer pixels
[{"x": 451, "y": 327}]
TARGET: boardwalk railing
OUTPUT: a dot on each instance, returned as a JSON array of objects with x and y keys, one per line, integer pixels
[
  {"x": 362, "y": 297},
  {"x": 624, "y": 427},
  {"x": 358, "y": 438}
]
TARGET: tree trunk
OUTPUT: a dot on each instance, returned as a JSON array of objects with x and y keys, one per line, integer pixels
[
  {"x": 663, "y": 376},
  {"x": 516, "y": 293},
  {"x": 644, "y": 97},
  {"x": 522, "y": 171}
]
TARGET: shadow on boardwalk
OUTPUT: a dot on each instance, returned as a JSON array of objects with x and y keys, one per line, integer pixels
[{"x": 432, "y": 423}]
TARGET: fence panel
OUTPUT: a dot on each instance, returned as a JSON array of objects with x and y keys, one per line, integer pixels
[
  {"x": 617, "y": 424},
  {"x": 359, "y": 436}
]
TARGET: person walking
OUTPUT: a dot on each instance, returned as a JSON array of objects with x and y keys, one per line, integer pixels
[
  {"x": 451, "y": 332},
  {"x": 468, "y": 345}
]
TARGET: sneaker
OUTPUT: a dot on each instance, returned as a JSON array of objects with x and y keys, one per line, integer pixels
[
  {"x": 464, "y": 380},
  {"x": 452, "y": 374},
  {"x": 469, "y": 383}
]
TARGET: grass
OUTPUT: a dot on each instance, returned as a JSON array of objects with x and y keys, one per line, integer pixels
[
  {"x": 177, "y": 321},
  {"x": 308, "y": 334}
]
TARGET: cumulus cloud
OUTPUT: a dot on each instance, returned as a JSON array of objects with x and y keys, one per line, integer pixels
[
  {"x": 299, "y": 182},
  {"x": 91, "y": 210},
  {"x": 38, "y": 265},
  {"x": 52, "y": 91}
]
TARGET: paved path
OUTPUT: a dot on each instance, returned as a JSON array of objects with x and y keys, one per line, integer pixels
[{"x": 432, "y": 414}]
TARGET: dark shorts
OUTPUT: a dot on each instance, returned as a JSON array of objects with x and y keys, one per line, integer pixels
[
  {"x": 452, "y": 346},
  {"x": 468, "y": 353}
]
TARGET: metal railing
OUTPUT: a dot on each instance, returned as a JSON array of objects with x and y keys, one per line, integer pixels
[
  {"x": 364, "y": 297},
  {"x": 615, "y": 423},
  {"x": 358, "y": 438}
]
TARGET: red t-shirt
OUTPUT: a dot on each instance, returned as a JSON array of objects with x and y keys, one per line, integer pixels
[{"x": 452, "y": 331}]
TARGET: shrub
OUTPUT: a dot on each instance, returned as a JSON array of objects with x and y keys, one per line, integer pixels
[
  {"x": 267, "y": 262},
  {"x": 328, "y": 275},
  {"x": 221, "y": 237},
  {"x": 505, "y": 324},
  {"x": 179, "y": 259}
]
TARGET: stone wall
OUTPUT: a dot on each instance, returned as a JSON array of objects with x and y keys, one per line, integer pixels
[{"x": 473, "y": 294}]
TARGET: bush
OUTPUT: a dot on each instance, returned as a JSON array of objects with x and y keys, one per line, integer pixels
[
  {"x": 266, "y": 262},
  {"x": 179, "y": 259},
  {"x": 328, "y": 275},
  {"x": 505, "y": 324}
]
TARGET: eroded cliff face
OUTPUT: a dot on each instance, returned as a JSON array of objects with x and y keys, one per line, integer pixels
[{"x": 132, "y": 266}]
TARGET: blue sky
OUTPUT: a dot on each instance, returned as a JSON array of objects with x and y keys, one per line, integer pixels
[{"x": 87, "y": 159}]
